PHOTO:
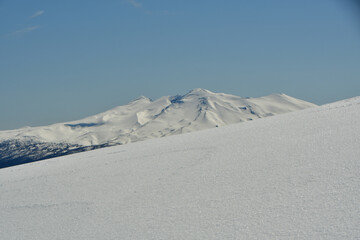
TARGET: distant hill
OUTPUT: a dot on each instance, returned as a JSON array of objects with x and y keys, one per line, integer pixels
[{"x": 139, "y": 120}]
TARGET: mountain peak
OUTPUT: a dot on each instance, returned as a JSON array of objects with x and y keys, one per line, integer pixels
[
  {"x": 141, "y": 98},
  {"x": 199, "y": 91}
]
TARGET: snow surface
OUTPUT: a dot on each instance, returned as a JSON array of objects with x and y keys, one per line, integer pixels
[
  {"x": 291, "y": 176},
  {"x": 143, "y": 118}
]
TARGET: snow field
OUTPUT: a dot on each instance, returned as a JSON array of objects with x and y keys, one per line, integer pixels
[{"x": 291, "y": 176}]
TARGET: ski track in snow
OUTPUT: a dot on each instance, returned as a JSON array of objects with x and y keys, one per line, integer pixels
[{"x": 291, "y": 176}]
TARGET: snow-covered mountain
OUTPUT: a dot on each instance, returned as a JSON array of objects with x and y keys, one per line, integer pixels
[
  {"x": 291, "y": 176},
  {"x": 139, "y": 120}
]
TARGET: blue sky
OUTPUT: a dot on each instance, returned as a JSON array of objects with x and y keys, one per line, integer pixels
[{"x": 64, "y": 60}]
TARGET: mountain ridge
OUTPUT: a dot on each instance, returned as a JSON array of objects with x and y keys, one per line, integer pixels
[{"x": 143, "y": 119}]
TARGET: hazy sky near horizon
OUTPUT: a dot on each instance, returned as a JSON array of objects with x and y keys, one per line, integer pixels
[{"x": 65, "y": 60}]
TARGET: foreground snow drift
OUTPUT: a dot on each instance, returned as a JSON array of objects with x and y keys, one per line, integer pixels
[{"x": 292, "y": 176}]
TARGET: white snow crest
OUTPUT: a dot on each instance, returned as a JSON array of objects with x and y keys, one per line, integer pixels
[{"x": 142, "y": 118}]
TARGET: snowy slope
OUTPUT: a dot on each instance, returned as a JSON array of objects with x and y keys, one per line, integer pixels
[
  {"x": 291, "y": 176},
  {"x": 139, "y": 120}
]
